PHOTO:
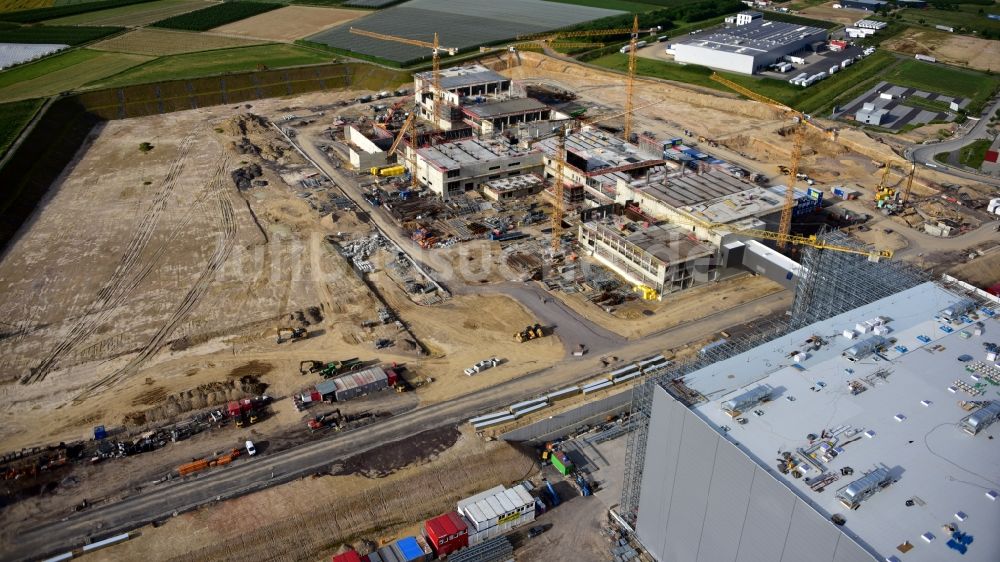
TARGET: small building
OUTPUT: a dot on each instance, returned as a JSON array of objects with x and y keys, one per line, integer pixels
[
  {"x": 517, "y": 187},
  {"x": 743, "y": 18},
  {"x": 871, "y": 24},
  {"x": 358, "y": 383},
  {"x": 487, "y": 118},
  {"x": 453, "y": 168},
  {"x": 749, "y": 47},
  {"x": 869, "y": 114},
  {"x": 867, "y": 5},
  {"x": 664, "y": 257}
]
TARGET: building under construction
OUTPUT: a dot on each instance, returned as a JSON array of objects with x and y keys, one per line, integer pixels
[{"x": 777, "y": 446}]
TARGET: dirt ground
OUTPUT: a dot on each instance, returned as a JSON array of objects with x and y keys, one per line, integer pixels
[
  {"x": 981, "y": 54},
  {"x": 289, "y": 23},
  {"x": 826, "y": 12},
  {"x": 631, "y": 321},
  {"x": 982, "y": 272},
  {"x": 313, "y": 518}
]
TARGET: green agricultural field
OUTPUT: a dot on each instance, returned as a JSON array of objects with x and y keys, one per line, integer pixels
[
  {"x": 963, "y": 17},
  {"x": 52, "y": 12},
  {"x": 623, "y": 5},
  {"x": 209, "y": 63},
  {"x": 214, "y": 16},
  {"x": 941, "y": 79},
  {"x": 133, "y": 15},
  {"x": 60, "y": 35},
  {"x": 13, "y": 117},
  {"x": 62, "y": 73}
]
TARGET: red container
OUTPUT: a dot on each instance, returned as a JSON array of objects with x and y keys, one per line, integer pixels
[
  {"x": 349, "y": 556},
  {"x": 246, "y": 405},
  {"x": 447, "y": 533},
  {"x": 392, "y": 376},
  {"x": 234, "y": 409}
]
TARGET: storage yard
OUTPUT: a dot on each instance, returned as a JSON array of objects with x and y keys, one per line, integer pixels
[{"x": 438, "y": 319}]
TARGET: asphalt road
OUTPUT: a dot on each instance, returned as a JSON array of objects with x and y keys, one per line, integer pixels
[{"x": 924, "y": 154}]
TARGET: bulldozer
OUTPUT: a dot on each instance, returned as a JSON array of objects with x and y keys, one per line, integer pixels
[
  {"x": 529, "y": 333},
  {"x": 291, "y": 334}
]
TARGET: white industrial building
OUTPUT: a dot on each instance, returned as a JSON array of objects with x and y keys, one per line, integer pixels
[
  {"x": 453, "y": 168},
  {"x": 870, "y": 435},
  {"x": 752, "y": 45}
]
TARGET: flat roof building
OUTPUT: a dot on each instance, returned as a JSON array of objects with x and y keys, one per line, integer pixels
[
  {"x": 453, "y": 168},
  {"x": 490, "y": 117},
  {"x": 883, "y": 457},
  {"x": 516, "y": 187},
  {"x": 868, "y": 5},
  {"x": 458, "y": 85},
  {"x": 663, "y": 257},
  {"x": 747, "y": 48}
]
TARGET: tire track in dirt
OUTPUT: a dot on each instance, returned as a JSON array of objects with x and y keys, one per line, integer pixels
[
  {"x": 124, "y": 279},
  {"x": 228, "y": 228}
]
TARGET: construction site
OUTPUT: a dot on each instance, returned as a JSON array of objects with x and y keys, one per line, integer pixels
[{"x": 400, "y": 324}]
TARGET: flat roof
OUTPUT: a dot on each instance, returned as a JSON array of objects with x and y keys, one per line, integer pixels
[
  {"x": 525, "y": 181},
  {"x": 751, "y": 202},
  {"x": 905, "y": 419},
  {"x": 684, "y": 188},
  {"x": 462, "y": 76},
  {"x": 506, "y": 107},
  {"x": 666, "y": 242},
  {"x": 468, "y": 151},
  {"x": 758, "y": 36},
  {"x": 601, "y": 151}
]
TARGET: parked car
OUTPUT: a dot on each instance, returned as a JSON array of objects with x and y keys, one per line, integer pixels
[
  {"x": 251, "y": 450},
  {"x": 535, "y": 531}
]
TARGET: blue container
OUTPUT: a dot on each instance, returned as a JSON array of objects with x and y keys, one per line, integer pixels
[
  {"x": 100, "y": 433},
  {"x": 410, "y": 549}
]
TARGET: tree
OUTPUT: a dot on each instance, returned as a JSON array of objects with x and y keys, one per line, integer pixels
[{"x": 145, "y": 147}]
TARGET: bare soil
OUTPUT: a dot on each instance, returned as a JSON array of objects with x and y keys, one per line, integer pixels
[
  {"x": 963, "y": 50},
  {"x": 289, "y": 23}
]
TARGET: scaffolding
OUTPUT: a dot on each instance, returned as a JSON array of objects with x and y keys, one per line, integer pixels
[{"x": 831, "y": 283}]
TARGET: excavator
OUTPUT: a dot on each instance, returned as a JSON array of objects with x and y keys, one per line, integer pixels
[{"x": 291, "y": 334}]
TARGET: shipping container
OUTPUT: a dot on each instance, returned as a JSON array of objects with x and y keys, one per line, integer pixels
[
  {"x": 527, "y": 404},
  {"x": 597, "y": 386},
  {"x": 562, "y": 463},
  {"x": 411, "y": 549},
  {"x": 494, "y": 421},
  {"x": 531, "y": 409},
  {"x": 349, "y": 556},
  {"x": 447, "y": 533},
  {"x": 373, "y": 557},
  {"x": 563, "y": 393},
  {"x": 387, "y": 554}
]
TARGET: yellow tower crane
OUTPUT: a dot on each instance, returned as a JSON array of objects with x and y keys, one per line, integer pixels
[
  {"x": 435, "y": 48},
  {"x": 560, "y": 162},
  {"x": 411, "y": 158},
  {"x": 633, "y": 32}
]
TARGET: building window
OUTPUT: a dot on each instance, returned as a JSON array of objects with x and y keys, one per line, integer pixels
[
  {"x": 494, "y": 168},
  {"x": 453, "y": 185},
  {"x": 512, "y": 164},
  {"x": 453, "y": 173}
]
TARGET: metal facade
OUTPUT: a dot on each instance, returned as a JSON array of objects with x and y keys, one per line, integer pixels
[{"x": 704, "y": 500}]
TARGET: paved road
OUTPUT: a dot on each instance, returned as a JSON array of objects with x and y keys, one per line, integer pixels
[{"x": 924, "y": 154}]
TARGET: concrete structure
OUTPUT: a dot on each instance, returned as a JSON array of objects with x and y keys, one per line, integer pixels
[
  {"x": 871, "y": 116},
  {"x": 458, "y": 85},
  {"x": 870, "y": 24},
  {"x": 367, "y": 149},
  {"x": 505, "y": 189},
  {"x": 663, "y": 257},
  {"x": 598, "y": 161},
  {"x": 873, "y": 463},
  {"x": 487, "y": 118},
  {"x": 747, "y": 48},
  {"x": 453, "y": 168}
]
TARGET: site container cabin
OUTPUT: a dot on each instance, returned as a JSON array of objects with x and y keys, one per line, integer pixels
[
  {"x": 562, "y": 463},
  {"x": 349, "y": 556},
  {"x": 447, "y": 533},
  {"x": 563, "y": 393},
  {"x": 531, "y": 409}
]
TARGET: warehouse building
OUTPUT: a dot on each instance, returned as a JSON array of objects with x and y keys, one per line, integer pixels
[
  {"x": 454, "y": 168},
  {"x": 498, "y": 116},
  {"x": 664, "y": 257},
  {"x": 749, "y": 47},
  {"x": 786, "y": 449},
  {"x": 867, "y": 5},
  {"x": 459, "y": 86}
]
